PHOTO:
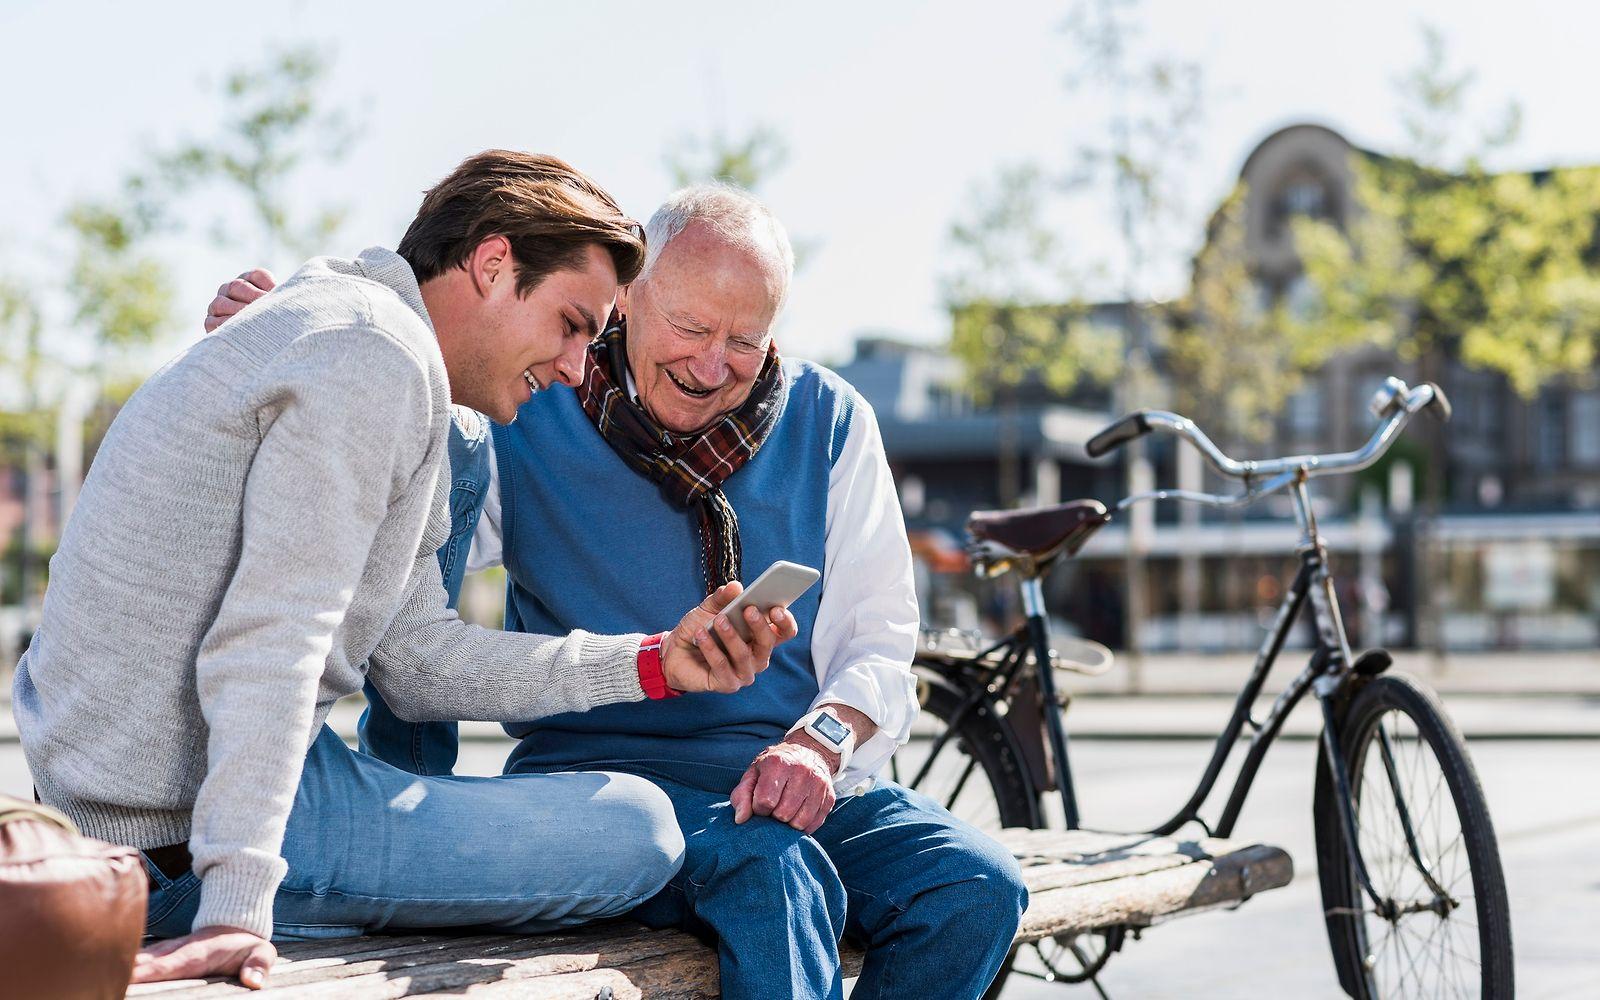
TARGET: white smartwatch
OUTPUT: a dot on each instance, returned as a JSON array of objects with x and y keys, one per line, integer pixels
[{"x": 831, "y": 731}]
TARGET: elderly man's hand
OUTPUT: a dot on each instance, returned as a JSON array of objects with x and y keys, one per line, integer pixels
[
  {"x": 236, "y": 294},
  {"x": 790, "y": 781},
  {"x": 705, "y": 653},
  {"x": 210, "y": 951}
]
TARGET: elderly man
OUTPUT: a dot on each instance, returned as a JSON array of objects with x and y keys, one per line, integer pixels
[{"x": 691, "y": 455}]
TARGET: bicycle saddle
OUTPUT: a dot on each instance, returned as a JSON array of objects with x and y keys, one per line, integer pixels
[{"x": 1040, "y": 531}]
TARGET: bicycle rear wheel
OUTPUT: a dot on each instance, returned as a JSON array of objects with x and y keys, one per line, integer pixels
[
  {"x": 1428, "y": 844},
  {"x": 976, "y": 771}
]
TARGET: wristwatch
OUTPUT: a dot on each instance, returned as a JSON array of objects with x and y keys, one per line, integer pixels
[{"x": 831, "y": 731}]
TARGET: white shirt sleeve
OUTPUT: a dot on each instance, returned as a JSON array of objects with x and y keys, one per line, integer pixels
[
  {"x": 486, "y": 546},
  {"x": 866, "y": 627}
]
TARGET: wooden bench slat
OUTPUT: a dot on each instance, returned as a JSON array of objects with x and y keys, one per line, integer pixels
[
  {"x": 1077, "y": 881},
  {"x": 1149, "y": 897}
]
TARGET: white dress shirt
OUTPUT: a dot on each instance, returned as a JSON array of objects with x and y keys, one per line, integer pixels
[{"x": 866, "y": 627}]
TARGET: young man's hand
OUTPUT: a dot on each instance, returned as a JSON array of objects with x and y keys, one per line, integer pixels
[
  {"x": 236, "y": 294},
  {"x": 211, "y": 951},
  {"x": 704, "y": 653}
]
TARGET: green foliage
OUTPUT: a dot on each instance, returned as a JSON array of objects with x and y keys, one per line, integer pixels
[
  {"x": 274, "y": 126},
  {"x": 1004, "y": 345},
  {"x": 120, "y": 291},
  {"x": 1016, "y": 304},
  {"x": 1445, "y": 257},
  {"x": 21, "y": 332},
  {"x": 1499, "y": 269},
  {"x": 744, "y": 161},
  {"x": 1012, "y": 317},
  {"x": 1433, "y": 109},
  {"x": 1235, "y": 361},
  {"x": 1153, "y": 113}
]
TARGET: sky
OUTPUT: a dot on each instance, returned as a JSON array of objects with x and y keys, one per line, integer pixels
[{"x": 891, "y": 111}]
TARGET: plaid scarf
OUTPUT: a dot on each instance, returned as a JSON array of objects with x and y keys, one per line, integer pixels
[{"x": 689, "y": 468}]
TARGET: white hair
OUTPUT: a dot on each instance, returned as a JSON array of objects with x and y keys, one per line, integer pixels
[{"x": 734, "y": 213}]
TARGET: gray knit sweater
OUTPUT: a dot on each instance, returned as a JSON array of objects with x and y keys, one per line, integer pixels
[{"x": 257, "y": 530}]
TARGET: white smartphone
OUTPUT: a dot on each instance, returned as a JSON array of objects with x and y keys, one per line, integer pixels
[{"x": 776, "y": 588}]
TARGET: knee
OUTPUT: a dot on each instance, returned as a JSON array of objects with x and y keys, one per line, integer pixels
[
  {"x": 994, "y": 894},
  {"x": 643, "y": 840},
  {"x": 766, "y": 861}
]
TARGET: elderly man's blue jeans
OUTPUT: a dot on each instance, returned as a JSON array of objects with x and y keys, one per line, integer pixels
[
  {"x": 372, "y": 848},
  {"x": 934, "y": 901}
]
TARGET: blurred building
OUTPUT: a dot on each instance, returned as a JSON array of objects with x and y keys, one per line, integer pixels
[{"x": 1506, "y": 554}]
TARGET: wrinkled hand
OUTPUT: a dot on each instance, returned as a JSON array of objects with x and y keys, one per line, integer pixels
[
  {"x": 212, "y": 951},
  {"x": 704, "y": 653},
  {"x": 790, "y": 781},
  {"x": 236, "y": 294}
]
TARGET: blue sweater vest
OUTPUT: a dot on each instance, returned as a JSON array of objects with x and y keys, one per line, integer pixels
[{"x": 591, "y": 544}]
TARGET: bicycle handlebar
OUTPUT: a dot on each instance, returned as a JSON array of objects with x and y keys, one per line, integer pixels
[
  {"x": 1393, "y": 404},
  {"x": 1118, "y": 434}
]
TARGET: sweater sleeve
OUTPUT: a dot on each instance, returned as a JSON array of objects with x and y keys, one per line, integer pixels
[
  {"x": 432, "y": 665},
  {"x": 342, "y": 415}
]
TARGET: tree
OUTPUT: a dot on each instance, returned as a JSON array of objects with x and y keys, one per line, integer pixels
[
  {"x": 1153, "y": 112},
  {"x": 274, "y": 125},
  {"x": 1233, "y": 362},
  {"x": 744, "y": 161},
  {"x": 24, "y": 434},
  {"x": 1013, "y": 319},
  {"x": 1015, "y": 314},
  {"x": 121, "y": 292},
  {"x": 1447, "y": 259}
]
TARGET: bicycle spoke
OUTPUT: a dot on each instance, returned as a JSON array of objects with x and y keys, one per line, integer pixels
[
  {"x": 961, "y": 783},
  {"x": 1415, "y": 846}
]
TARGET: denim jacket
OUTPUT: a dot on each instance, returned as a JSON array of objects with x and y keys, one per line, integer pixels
[{"x": 430, "y": 747}]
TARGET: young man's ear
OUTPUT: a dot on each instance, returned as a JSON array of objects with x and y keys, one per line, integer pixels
[
  {"x": 622, "y": 300},
  {"x": 490, "y": 264}
]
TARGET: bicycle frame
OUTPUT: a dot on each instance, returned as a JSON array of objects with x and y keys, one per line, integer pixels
[{"x": 1328, "y": 673}]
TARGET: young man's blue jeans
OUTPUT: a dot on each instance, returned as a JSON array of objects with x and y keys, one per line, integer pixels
[
  {"x": 934, "y": 901},
  {"x": 373, "y": 848}
]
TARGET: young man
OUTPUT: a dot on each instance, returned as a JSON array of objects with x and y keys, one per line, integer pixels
[{"x": 258, "y": 532}]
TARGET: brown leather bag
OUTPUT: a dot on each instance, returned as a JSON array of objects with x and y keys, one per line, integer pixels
[{"x": 71, "y": 908}]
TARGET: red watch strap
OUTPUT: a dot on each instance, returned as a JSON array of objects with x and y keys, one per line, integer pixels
[{"x": 651, "y": 676}]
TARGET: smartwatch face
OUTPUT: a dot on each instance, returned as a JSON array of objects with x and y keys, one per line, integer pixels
[{"x": 832, "y": 728}]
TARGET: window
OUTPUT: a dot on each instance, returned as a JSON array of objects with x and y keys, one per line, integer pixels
[
  {"x": 1549, "y": 432},
  {"x": 1363, "y": 389},
  {"x": 1583, "y": 426},
  {"x": 1305, "y": 412},
  {"x": 1304, "y": 193},
  {"x": 1305, "y": 197}
]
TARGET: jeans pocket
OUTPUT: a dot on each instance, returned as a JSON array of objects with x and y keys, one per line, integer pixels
[
  {"x": 155, "y": 875},
  {"x": 170, "y": 913}
]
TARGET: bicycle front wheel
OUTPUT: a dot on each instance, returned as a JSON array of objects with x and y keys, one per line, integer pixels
[{"x": 1443, "y": 927}]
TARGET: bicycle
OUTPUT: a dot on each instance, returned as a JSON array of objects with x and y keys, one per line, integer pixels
[{"x": 1412, "y": 888}]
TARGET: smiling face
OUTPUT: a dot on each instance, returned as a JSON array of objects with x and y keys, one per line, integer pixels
[
  {"x": 699, "y": 325},
  {"x": 513, "y": 345}
]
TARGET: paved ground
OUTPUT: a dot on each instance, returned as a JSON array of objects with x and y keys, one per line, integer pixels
[
  {"x": 1275, "y": 945},
  {"x": 1540, "y": 792}
]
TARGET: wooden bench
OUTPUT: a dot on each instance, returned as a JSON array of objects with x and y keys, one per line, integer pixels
[{"x": 1077, "y": 881}]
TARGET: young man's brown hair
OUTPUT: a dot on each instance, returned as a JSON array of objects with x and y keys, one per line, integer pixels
[{"x": 545, "y": 208}]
